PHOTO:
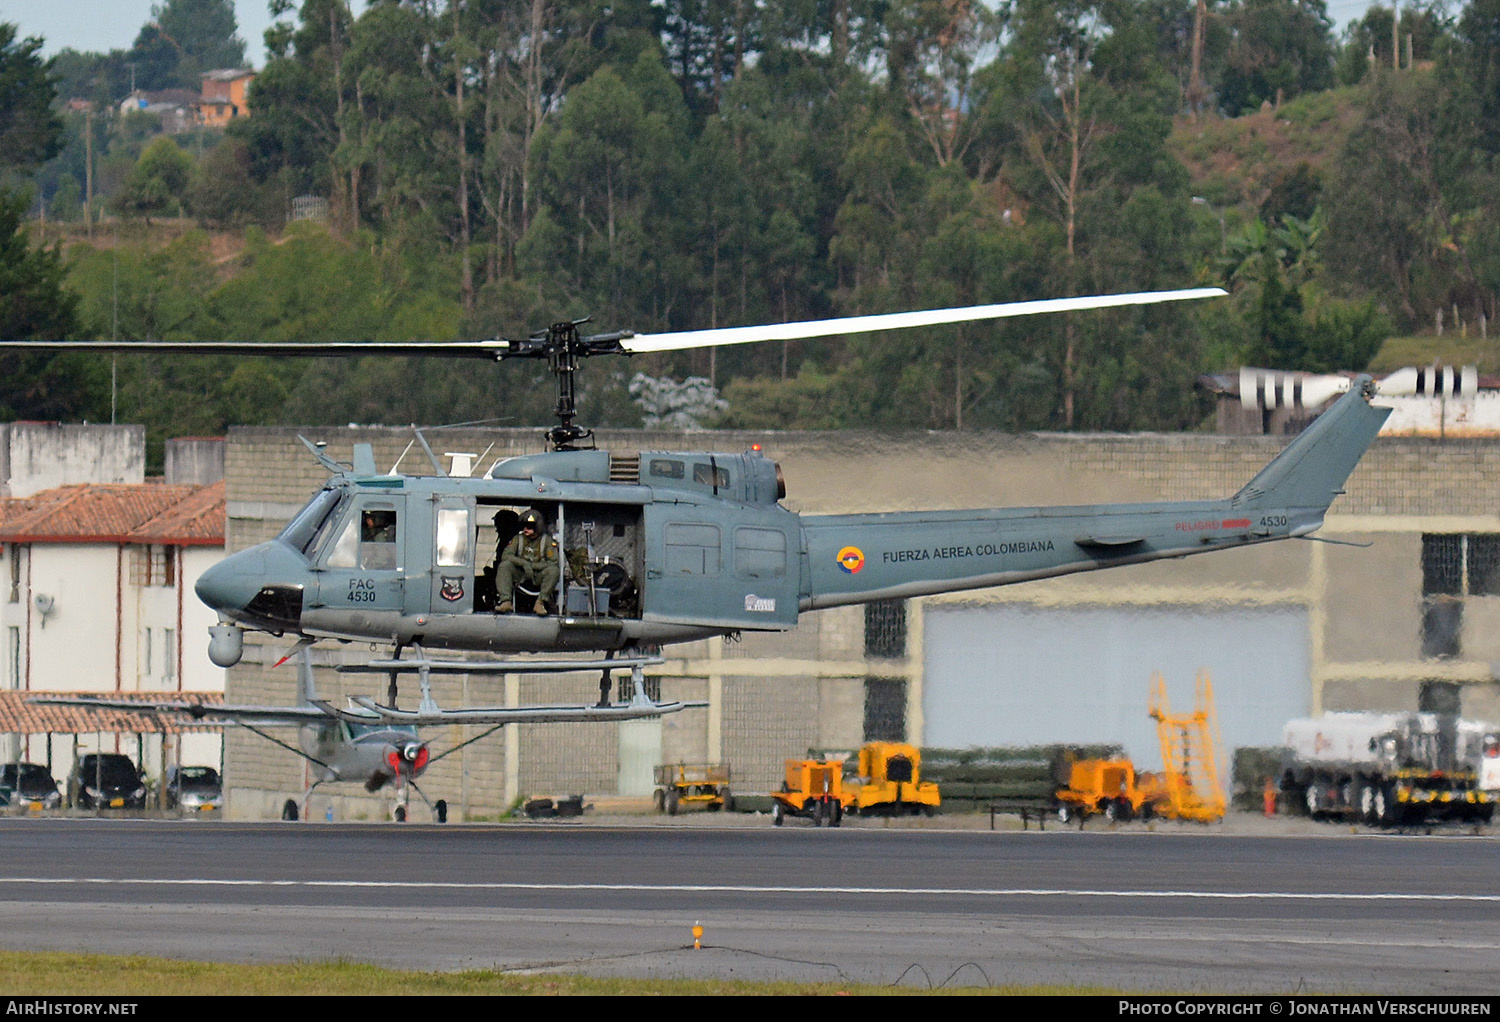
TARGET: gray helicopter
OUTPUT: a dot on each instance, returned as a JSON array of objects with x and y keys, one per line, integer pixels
[{"x": 658, "y": 547}]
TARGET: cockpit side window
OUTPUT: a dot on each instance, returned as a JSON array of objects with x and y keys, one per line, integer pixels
[
  {"x": 367, "y": 540},
  {"x": 345, "y": 549},
  {"x": 377, "y": 538}
]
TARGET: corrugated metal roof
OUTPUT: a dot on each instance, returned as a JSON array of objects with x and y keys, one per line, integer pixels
[
  {"x": 18, "y": 716},
  {"x": 117, "y": 513}
]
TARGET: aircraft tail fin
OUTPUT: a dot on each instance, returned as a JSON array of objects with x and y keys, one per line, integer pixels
[
  {"x": 305, "y": 685},
  {"x": 1311, "y": 471}
]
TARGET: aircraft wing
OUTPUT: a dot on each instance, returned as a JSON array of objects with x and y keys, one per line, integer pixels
[
  {"x": 367, "y": 711},
  {"x": 198, "y": 711},
  {"x": 431, "y": 716}
]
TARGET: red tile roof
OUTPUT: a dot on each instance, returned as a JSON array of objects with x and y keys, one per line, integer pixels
[
  {"x": 18, "y": 716},
  {"x": 117, "y": 513}
]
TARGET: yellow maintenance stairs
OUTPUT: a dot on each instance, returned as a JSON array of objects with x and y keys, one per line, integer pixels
[{"x": 1190, "y": 788}]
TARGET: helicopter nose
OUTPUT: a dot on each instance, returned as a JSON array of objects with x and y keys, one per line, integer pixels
[{"x": 264, "y": 582}]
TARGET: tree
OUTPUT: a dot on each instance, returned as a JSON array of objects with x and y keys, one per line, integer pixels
[
  {"x": 1078, "y": 114},
  {"x": 183, "y": 39},
  {"x": 933, "y": 53},
  {"x": 1385, "y": 208},
  {"x": 1280, "y": 49},
  {"x": 36, "y": 305},
  {"x": 205, "y": 32},
  {"x": 158, "y": 184},
  {"x": 30, "y": 131}
]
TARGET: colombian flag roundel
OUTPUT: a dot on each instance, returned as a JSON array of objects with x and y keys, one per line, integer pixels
[{"x": 851, "y": 559}]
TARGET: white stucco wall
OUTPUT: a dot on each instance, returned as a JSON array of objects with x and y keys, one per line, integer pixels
[
  {"x": 96, "y": 608},
  {"x": 37, "y": 456}
]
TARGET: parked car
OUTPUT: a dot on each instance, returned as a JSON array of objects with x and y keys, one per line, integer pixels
[
  {"x": 108, "y": 780},
  {"x": 194, "y": 789},
  {"x": 37, "y": 788}
]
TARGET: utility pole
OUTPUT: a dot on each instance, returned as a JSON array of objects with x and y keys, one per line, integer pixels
[
  {"x": 1395, "y": 36},
  {"x": 1195, "y": 78},
  {"x": 88, "y": 171}
]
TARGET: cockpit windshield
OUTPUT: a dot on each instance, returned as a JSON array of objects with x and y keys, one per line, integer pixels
[
  {"x": 360, "y": 730},
  {"x": 305, "y": 531}
]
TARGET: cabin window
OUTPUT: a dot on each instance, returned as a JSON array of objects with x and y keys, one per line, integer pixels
[
  {"x": 692, "y": 549},
  {"x": 665, "y": 468},
  {"x": 760, "y": 553},
  {"x": 710, "y": 475},
  {"x": 452, "y": 537}
]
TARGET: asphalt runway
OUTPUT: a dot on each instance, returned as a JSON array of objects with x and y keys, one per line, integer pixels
[{"x": 1180, "y": 910}]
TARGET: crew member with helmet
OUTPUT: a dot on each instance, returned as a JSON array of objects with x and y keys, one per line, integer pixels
[{"x": 531, "y": 557}]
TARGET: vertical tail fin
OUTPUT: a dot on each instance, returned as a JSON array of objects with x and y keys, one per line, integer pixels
[
  {"x": 306, "y": 689},
  {"x": 1312, "y": 470},
  {"x": 305, "y": 683}
]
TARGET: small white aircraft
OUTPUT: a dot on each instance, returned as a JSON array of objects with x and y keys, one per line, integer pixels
[{"x": 378, "y": 745}]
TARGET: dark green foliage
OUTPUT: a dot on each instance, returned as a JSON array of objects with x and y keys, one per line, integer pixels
[
  {"x": 30, "y": 132},
  {"x": 705, "y": 163},
  {"x": 35, "y": 304},
  {"x": 1281, "y": 49},
  {"x": 158, "y": 184}
]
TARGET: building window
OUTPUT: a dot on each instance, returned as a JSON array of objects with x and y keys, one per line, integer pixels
[
  {"x": 1455, "y": 566},
  {"x": 885, "y": 710},
  {"x": 625, "y": 686},
  {"x": 15, "y": 573},
  {"x": 147, "y": 652},
  {"x": 169, "y": 653},
  {"x": 885, "y": 629},
  {"x": 14, "y": 636},
  {"x": 169, "y": 566}
]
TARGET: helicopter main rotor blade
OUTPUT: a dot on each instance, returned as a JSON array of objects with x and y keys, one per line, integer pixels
[
  {"x": 492, "y": 350},
  {"x": 642, "y": 343},
  {"x": 496, "y": 349}
]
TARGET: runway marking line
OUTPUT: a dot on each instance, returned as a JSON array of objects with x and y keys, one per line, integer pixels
[{"x": 1000, "y": 892}]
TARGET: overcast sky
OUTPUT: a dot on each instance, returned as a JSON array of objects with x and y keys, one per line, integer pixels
[{"x": 104, "y": 25}]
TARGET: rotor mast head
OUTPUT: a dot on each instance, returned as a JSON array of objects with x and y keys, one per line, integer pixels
[{"x": 563, "y": 346}]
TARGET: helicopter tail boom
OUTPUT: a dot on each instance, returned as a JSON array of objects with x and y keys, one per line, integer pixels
[{"x": 863, "y": 558}]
